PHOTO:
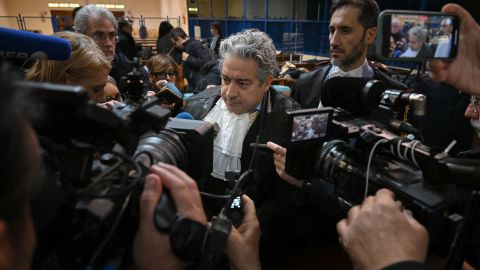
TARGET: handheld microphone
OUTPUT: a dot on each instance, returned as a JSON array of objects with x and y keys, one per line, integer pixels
[
  {"x": 184, "y": 115},
  {"x": 17, "y": 44}
]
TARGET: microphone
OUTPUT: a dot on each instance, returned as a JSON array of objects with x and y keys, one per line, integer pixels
[
  {"x": 184, "y": 115},
  {"x": 360, "y": 96},
  {"x": 17, "y": 44}
]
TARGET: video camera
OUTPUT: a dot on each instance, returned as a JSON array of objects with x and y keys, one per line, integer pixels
[
  {"x": 362, "y": 152},
  {"x": 86, "y": 211}
]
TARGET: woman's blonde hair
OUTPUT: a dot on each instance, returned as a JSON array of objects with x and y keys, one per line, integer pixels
[{"x": 85, "y": 61}]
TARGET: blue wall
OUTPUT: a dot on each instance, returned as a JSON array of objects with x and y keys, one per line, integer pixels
[{"x": 314, "y": 33}]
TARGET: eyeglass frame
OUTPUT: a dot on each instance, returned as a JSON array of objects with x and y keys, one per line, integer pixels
[
  {"x": 162, "y": 74},
  {"x": 101, "y": 36}
]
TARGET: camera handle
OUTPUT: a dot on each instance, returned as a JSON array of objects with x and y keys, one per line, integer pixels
[{"x": 462, "y": 240}]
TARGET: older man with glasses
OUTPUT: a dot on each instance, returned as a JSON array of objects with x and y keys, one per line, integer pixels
[{"x": 100, "y": 24}]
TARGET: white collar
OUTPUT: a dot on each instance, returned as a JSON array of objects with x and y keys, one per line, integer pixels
[
  {"x": 362, "y": 71},
  {"x": 229, "y": 141}
]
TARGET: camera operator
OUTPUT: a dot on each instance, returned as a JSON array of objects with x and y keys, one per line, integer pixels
[
  {"x": 21, "y": 161},
  {"x": 352, "y": 30},
  {"x": 150, "y": 246},
  {"x": 404, "y": 247},
  {"x": 373, "y": 244}
]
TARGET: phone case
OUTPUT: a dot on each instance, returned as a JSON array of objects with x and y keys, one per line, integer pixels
[{"x": 169, "y": 94}]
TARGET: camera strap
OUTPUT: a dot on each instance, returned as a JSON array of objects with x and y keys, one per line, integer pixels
[{"x": 215, "y": 242}]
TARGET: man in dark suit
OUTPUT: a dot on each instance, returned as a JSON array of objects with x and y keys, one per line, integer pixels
[
  {"x": 352, "y": 30},
  {"x": 126, "y": 43},
  {"x": 194, "y": 55},
  {"x": 247, "y": 109}
]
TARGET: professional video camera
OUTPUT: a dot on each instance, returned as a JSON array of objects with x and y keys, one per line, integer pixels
[
  {"x": 86, "y": 212},
  {"x": 86, "y": 209},
  {"x": 360, "y": 153}
]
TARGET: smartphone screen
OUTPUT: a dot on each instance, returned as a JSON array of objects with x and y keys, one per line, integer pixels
[{"x": 416, "y": 36}]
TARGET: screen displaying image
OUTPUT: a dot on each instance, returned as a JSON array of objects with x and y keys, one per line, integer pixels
[
  {"x": 307, "y": 127},
  {"x": 420, "y": 36}
]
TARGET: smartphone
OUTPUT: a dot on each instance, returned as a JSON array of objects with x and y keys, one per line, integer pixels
[
  {"x": 417, "y": 36},
  {"x": 169, "y": 94}
]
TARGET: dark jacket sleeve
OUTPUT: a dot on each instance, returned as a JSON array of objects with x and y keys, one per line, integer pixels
[
  {"x": 198, "y": 55},
  {"x": 200, "y": 104},
  {"x": 407, "y": 265},
  {"x": 307, "y": 89},
  {"x": 123, "y": 45},
  {"x": 320, "y": 195}
]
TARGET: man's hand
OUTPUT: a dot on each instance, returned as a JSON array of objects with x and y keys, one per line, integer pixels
[
  {"x": 151, "y": 248},
  {"x": 279, "y": 157},
  {"x": 379, "y": 233},
  {"x": 185, "y": 56},
  {"x": 463, "y": 72},
  {"x": 242, "y": 245}
]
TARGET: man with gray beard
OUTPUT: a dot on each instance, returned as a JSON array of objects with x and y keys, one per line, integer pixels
[{"x": 352, "y": 29}]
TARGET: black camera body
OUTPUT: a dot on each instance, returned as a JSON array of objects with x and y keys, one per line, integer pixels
[
  {"x": 96, "y": 164},
  {"x": 363, "y": 152}
]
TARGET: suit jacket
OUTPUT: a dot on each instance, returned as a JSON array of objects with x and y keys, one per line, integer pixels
[
  {"x": 307, "y": 89},
  {"x": 265, "y": 175},
  {"x": 198, "y": 57},
  {"x": 127, "y": 45}
]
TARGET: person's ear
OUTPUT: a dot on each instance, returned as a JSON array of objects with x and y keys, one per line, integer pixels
[
  {"x": 5, "y": 247},
  {"x": 370, "y": 35},
  {"x": 268, "y": 83}
]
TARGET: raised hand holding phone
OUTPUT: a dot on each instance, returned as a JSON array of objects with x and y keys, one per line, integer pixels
[{"x": 417, "y": 36}]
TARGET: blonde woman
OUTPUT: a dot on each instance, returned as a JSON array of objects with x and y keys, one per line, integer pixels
[{"x": 87, "y": 67}]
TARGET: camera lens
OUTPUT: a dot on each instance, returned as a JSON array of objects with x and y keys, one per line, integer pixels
[
  {"x": 342, "y": 165},
  {"x": 164, "y": 147}
]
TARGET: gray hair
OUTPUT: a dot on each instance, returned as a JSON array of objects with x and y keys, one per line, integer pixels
[
  {"x": 447, "y": 21},
  {"x": 92, "y": 11},
  {"x": 419, "y": 33},
  {"x": 251, "y": 44}
]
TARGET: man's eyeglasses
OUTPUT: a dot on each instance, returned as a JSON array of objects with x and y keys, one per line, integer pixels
[
  {"x": 101, "y": 36},
  {"x": 162, "y": 75}
]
